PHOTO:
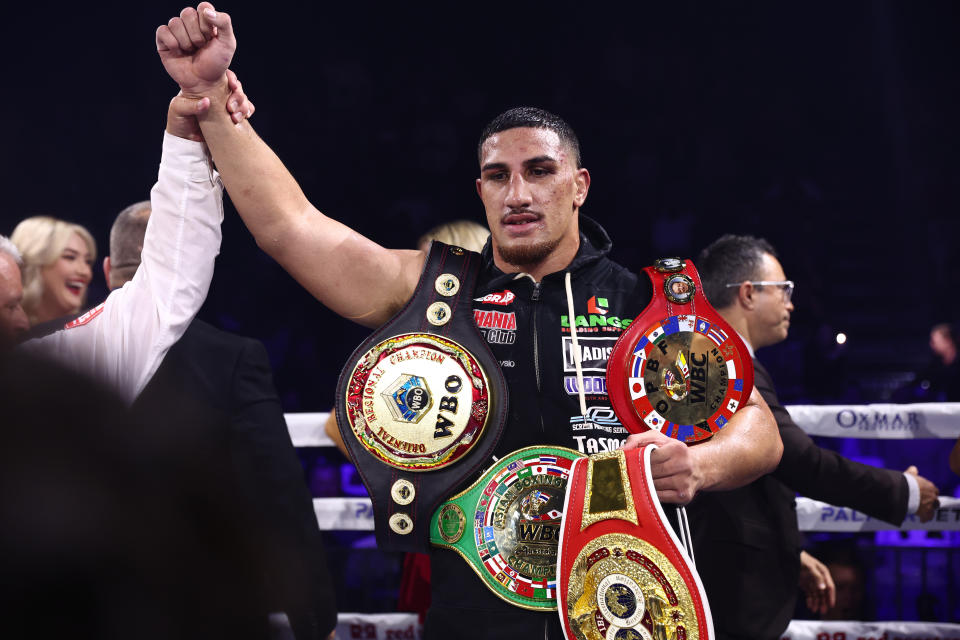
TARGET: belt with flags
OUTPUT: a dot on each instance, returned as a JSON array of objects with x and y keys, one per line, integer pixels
[
  {"x": 506, "y": 525},
  {"x": 422, "y": 402},
  {"x": 622, "y": 572},
  {"x": 679, "y": 368}
]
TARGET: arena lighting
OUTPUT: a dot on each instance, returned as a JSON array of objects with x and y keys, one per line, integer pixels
[{"x": 841, "y": 338}]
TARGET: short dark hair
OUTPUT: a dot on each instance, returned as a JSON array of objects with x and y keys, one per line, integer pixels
[
  {"x": 126, "y": 242},
  {"x": 534, "y": 118},
  {"x": 729, "y": 259}
]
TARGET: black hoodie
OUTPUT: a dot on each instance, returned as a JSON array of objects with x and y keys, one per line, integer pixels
[{"x": 528, "y": 329}]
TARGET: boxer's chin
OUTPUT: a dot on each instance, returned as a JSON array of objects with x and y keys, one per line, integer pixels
[{"x": 524, "y": 254}]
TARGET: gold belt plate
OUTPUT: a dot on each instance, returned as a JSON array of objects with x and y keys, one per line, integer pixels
[
  {"x": 417, "y": 401},
  {"x": 624, "y": 588}
]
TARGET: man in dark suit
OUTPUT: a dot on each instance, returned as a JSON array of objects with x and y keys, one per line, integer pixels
[
  {"x": 220, "y": 385},
  {"x": 746, "y": 541}
]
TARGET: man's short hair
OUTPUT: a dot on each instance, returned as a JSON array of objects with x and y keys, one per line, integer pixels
[
  {"x": 730, "y": 259},
  {"x": 7, "y": 247},
  {"x": 534, "y": 118},
  {"x": 126, "y": 242}
]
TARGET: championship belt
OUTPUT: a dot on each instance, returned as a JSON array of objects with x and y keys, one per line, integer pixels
[
  {"x": 622, "y": 572},
  {"x": 422, "y": 402},
  {"x": 679, "y": 368},
  {"x": 507, "y": 525}
]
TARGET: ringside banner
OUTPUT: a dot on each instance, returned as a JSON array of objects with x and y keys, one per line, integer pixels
[
  {"x": 873, "y": 421},
  {"x": 880, "y": 421},
  {"x": 813, "y": 515},
  {"x": 356, "y": 514},
  {"x": 853, "y": 630}
]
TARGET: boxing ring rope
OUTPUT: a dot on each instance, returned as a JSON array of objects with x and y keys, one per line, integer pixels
[
  {"x": 873, "y": 421},
  {"x": 406, "y": 626},
  {"x": 356, "y": 514}
]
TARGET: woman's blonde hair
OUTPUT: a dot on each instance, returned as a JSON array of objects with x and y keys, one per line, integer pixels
[
  {"x": 462, "y": 233},
  {"x": 41, "y": 240}
]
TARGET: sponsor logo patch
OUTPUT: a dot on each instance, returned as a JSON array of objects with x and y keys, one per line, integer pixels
[
  {"x": 504, "y": 297},
  {"x": 596, "y": 385},
  {"x": 495, "y": 319},
  {"x": 597, "y": 305},
  {"x": 594, "y": 353},
  {"x": 85, "y": 318},
  {"x": 596, "y": 322},
  {"x": 588, "y": 445},
  {"x": 598, "y": 318},
  {"x": 599, "y": 419},
  {"x": 499, "y": 336}
]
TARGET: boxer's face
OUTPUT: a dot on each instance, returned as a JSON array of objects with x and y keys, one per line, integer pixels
[{"x": 532, "y": 190}]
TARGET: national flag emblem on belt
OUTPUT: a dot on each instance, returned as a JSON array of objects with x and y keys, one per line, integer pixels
[
  {"x": 656, "y": 334},
  {"x": 717, "y": 335}
]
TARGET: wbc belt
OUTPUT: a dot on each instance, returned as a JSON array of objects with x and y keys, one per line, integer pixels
[
  {"x": 506, "y": 525},
  {"x": 679, "y": 368},
  {"x": 422, "y": 402},
  {"x": 622, "y": 573}
]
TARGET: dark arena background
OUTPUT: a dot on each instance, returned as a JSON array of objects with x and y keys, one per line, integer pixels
[{"x": 829, "y": 128}]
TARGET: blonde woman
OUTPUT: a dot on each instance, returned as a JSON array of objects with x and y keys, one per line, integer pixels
[
  {"x": 57, "y": 266},
  {"x": 462, "y": 233}
]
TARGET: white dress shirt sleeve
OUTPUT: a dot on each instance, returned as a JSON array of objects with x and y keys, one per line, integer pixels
[
  {"x": 913, "y": 497},
  {"x": 123, "y": 341}
]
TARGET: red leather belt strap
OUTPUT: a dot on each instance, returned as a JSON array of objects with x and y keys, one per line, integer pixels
[{"x": 622, "y": 571}]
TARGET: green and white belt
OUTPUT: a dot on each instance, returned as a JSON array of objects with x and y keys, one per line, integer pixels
[{"x": 514, "y": 510}]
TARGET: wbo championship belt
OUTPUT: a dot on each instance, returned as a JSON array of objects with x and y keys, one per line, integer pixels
[
  {"x": 679, "y": 368},
  {"x": 422, "y": 402},
  {"x": 623, "y": 574},
  {"x": 506, "y": 525}
]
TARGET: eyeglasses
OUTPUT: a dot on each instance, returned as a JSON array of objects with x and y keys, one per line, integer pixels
[{"x": 785, "y": 286}]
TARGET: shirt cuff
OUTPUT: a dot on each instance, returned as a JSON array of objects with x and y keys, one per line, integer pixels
[
  {"x": 913, "y": 502},
  {"x": 187, "y": 157}
]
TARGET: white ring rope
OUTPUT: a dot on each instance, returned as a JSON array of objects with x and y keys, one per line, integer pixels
[
  {"x": 880, "y": 421},
  {"x": 874, "y": 421},
  {"x": 894, "y": 421},
  {"x": 406, "y": 625},
  {"x": 813, "y": 515},
  {"x": 356, "y": 514}
]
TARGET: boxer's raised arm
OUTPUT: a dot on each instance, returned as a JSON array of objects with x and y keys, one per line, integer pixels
[{"x": 352, "y": 275}]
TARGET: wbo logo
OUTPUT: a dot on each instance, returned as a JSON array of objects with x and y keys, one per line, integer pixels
[{"x": 408, "y": 398}]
